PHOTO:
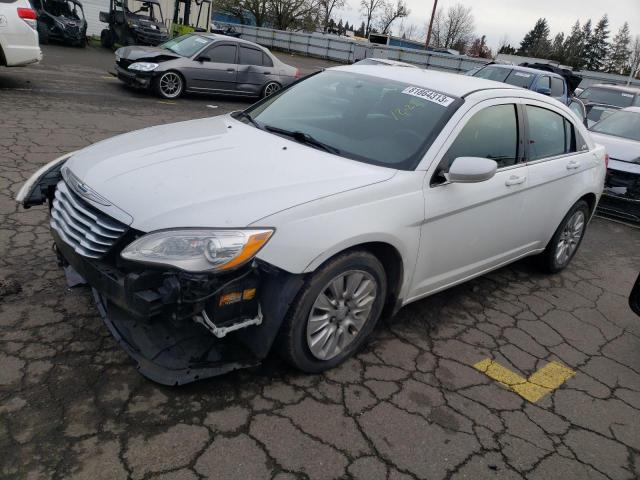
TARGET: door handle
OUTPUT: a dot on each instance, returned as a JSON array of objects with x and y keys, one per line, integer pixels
[
  {"x": 573, "y": 164},
  {"x": 514, "y": 180},
  {"x": 231, "y": 69}
]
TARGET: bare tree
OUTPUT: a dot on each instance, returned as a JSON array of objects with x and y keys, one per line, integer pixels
[
  {"x": 287, "y": 14},
  {"x": 503, "y": 42},
  {"x": 391, "y": 12},
  {"x": 634, "y": 58},
  {"x": 408, "y": 31},
  {"x": 369, "y": 9},
  {"x": 453, "y": 28},
  {"x": 327, "y": 7},
  {"x": 238, "y": 8}
]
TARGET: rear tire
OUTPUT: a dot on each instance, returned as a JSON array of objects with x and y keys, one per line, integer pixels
[
  {"x": 269, "y": 89},
  {"x": 169, "y": 85},
  {"x": 106, "y": 38},
  {"x": 334, "y": 312},
  {"x": 566, "y": 240}
]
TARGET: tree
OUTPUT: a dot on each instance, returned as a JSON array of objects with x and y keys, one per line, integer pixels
[
  {"x": 573, "y": 47},
  {"x": 479, "y": 48},
  {"x": 557, "y": 48},
  {"x": 507, "y": 49},
  {"x": 536, "y": 42},
  {"x": 361, "y": 31},
  {"x": 327, "y": 7},
  {"x": 259, "y": 9},
  {"x": 596, "y": 49},
  {"x": 391, "y": 12},
  {"x": 340, "y": 27},
  {"x": 287, "y": 14},
  {"x": 369, "y": 9},
  {"x": 634, "y": 59},
  {"x": 620, "y": 53},
  {"x": 453, "y": 28},
  {"x": 586, "y": 43}
]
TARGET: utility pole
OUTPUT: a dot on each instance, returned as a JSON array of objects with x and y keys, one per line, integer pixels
[{"x": 433, "y": 14}]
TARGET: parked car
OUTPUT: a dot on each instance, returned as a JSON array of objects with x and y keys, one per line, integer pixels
[
  {"x": 546, "y": 83},
  {"x": 634, "y": 298},
  {"x": 61, "y": 20},
  {"x": 601, "y": 99},
  {"x": 18, "y": 34},
  {"x": 204, "y": 63},
  {"x": 133, "y": 22},
  {"x": 620, "y": 135},
  {"x": 384, "y": 61},
  {"x": 298, "y": 221}
]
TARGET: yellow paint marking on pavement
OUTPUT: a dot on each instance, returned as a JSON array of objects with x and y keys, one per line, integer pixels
[
  {"x": 542, "y": 382},
  {"x": 166, "y": 103}
]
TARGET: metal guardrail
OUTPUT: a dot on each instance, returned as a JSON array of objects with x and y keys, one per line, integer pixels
[{"x": 346, "y": 50}]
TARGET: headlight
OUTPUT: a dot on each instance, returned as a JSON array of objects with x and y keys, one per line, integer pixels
[
  {"x": 198, "y": 250},
  {"x": 143, "y": 66}
]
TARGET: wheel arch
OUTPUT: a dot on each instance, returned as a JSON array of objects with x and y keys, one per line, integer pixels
[{"x": 591, "y": 200}]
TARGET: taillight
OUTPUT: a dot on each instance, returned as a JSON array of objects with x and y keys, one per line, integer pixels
[
  {"x": 27, "y": 14},
  {"x": 297, "y": 75},
  {"x": 606, "y": 160}
]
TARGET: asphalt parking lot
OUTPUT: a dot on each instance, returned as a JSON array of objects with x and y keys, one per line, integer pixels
[{"x": 411, "y": 405}]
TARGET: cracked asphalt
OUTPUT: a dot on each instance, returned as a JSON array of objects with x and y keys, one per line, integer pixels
[{"x": 408, "y": 406}]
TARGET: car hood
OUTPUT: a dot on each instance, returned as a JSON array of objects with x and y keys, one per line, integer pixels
[
  {"x": 136, "y": 52},
  {"x": 618, "y": 148},
  {"x": 213, "y": 172}
]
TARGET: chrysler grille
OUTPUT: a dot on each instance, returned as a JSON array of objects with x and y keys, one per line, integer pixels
[{"x": 90, "y": 232}]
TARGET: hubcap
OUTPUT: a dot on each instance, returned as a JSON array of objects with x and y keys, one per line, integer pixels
[
  {"x": 170, "y": 84},
  {"x": 271, "y": 88},
  {"x": 569, "y": 238},
  {"x": 340, "y": 312}
]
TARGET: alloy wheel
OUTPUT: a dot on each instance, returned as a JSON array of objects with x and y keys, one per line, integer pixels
[
  {"x": 340, "y": 312},
  {"x": 570, "y": 238},
  {"x": 171, "y": 85},
  {"x": 271, "y": 88}
]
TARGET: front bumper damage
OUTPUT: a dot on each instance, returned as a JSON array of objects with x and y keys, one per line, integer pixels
[
  {"x": 134, "y": 79},
  {"x": 621, "y": 196}
]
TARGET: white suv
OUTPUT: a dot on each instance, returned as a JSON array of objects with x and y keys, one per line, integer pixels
[
  {"x": 18, "y": 34},
  {"x": 300, "y": 220}
]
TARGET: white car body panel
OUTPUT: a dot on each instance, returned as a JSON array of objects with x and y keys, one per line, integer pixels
[
  {"x": 622, "y": 151},
  {"x": 220, "y": 172},
  {"x": 18, "y": 41}
]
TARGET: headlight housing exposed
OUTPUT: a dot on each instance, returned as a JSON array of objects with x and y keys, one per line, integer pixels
[
  {"x": 198, "y": 250},
  {"x": 143, "y": 66}
]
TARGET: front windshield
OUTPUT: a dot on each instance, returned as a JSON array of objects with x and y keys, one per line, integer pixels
[
  {"x": 366, "y": 118},
  {"x": 187, "y": 45},
  {"x": 607, "y": 96},
  {"x": 621, "y": 124},
  {"x": 64, "y": 8},
  {"x": 141, "y": 8}
]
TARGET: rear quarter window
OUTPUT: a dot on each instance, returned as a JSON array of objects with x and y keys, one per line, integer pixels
[
  {"x": 557, "y": 87},
  {"x": 520, "y": 79}
]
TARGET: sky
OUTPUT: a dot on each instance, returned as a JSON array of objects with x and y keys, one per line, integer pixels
[{"x": 514, "y": 18}]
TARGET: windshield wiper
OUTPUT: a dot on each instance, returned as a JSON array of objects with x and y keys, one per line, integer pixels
[
  {"x": 305, "y": 138},
  {"x": 242, "y": 114}
]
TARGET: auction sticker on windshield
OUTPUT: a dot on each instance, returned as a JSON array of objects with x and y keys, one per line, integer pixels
[{"x": 429, "y": 95}]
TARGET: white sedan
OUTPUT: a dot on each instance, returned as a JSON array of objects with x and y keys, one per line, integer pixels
[{"x": 300, "y": 220}]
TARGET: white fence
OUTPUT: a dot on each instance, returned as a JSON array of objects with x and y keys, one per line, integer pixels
[{"x": 346, "y": 50}]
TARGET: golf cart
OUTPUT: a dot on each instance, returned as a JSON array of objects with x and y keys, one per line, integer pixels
[
  {"x": 133, "y": 22},
  {"x": 182, "y": 17},
  {"x": 61, "y": 20}
]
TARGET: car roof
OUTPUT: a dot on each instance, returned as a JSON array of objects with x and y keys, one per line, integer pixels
[
  {"x": 619, "y": 88},
  {"x": 450, "y": 83},
  {"x": 631, "y": 109},
  {"x": 387, "y": 61},
  {"x": 534, "y": 71},
  {"x": 218, "y": 37}
]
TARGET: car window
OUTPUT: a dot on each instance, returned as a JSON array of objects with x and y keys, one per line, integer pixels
[
  {"x": 493, "y": 73},
  {"x": 607, "y": 96},
  {"x": 557, "y": 87},
  {"x": 544, "y": 82},
  {"x": 222, "y": 54},
  {"x": 266, "y": 60},
  {"x": 490, "y": 133},
  {"x": 519, "y": 79},
  {"x": 550, "y": 134},
  {"x": 250, "y": 56},
  {"x": 367, "y": 118}
]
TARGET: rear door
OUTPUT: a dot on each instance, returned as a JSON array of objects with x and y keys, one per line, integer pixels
[
  {"x": 214, "y": 69},
  {"x": 560, "y": 164},
  {"x": 255, "y": 69}
]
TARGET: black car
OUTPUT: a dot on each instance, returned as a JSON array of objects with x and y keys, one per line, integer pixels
[{"x": 62, "y": 21}]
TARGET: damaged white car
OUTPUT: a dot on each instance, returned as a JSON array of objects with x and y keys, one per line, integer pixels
[{"x": 299, "y": 221}]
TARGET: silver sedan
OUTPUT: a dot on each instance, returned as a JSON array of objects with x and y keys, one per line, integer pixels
[{"x": 204, "y": 63}]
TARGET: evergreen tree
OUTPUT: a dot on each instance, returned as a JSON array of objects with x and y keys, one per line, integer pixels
[
  {"x": 507, "y": 49},
  {"x": 360, "y": 31},
  {"x": 619, "y": 51},
  {"x": 573, "y": 47},
  {"x": 557, "y": 48},
  {"x": 597, "y": 48},
  {"x": 536, "y": 42},
  {"x": 587, "y": 33},
  {"x": 340, "y": 27}
]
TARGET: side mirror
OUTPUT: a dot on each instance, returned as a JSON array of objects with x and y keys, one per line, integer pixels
[
  {"x": 471, "y": 170},
  {"x": 544, "y": 91},
  {"x": 634, "y": 298},
  {"x": 203, "y": 58},
  {"x": 104, "y": 17}
]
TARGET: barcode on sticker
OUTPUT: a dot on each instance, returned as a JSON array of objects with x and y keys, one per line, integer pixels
[
  {"x": 629, "y": 95},
  {"x": 429, "y": 95}
]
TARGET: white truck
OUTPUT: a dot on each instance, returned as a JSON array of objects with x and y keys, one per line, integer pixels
[{"x": 19, "y": 44}]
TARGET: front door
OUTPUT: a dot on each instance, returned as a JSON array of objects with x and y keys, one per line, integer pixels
[
  {"x": 473, "y": 227},
  {"x": 214, "y": 69}
]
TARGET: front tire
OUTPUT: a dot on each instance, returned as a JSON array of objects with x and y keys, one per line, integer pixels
[
  {"x": 169, "y": 85},
  {"x": 106, "y": 38},
  {"x": 334, "y": 313},
  {"x": 566, "y": 239}
]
